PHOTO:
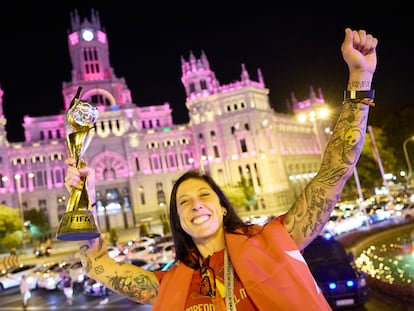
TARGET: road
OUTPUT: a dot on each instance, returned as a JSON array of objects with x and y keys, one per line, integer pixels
[{"x": 55, "y": 300}]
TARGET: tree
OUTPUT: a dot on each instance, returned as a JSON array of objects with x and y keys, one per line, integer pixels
[
  {"x": 10, "y": 228},
  {"x": 166, "y": 227},
  {"x": 143, "y": 230},
  {"x": 242, "y": 195},
  {"x": 38, "y": 223},
  {"x": 235, "y": 195}
]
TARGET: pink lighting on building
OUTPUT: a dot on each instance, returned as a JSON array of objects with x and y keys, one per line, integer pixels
[
  {"x": 101, "y": 37},
  {"x": 74, "y": 38}
]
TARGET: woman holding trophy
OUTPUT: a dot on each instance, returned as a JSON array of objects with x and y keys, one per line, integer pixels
[{"x": 225, "y": 264}]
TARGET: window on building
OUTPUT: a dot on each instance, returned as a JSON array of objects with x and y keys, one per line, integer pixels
[
  {"x": 141, "y": 194},
  {"x": 203, "y": 84},
  {"x": 112, "y": 194},
  {"x": 39, "y": 179},
  {"x": 171, "y": 160},
  {"x": 192, "y": 87},
  {"x": 109, "y": 173},
  {"x": 160, "y": 194},
  {"x": 257, "y": 174},
  {"x": 187, "y": 158},
  {"x": 42, "y": 203},
  {"x": 243, "y": 145},
  {"x": 216, "y": 152},
  {"x": 155, "y": 162},
  {"x": 18, "y": 161},
  {"x": 137, "y": 166},
  {"x": 2, "y": 180},
  {"x": 58, "y": 176}
]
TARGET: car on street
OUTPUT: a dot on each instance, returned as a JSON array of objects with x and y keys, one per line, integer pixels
[
  {"x": 51, "y": 278},
  {"x": 11, "y": 277},
  {"x": 345, "y": 222},
  {"x": 93, "y": 288},
  {"x": 33, "y": 276},
  {"x": 134, "y": 253},
  {"x": 335, "y": 272},
  {"x": 144, "y": 241},
  {"x": 113, "y": 251},
  {"x": 162, "y": 252},
  {"x": 406, "y": 213}
]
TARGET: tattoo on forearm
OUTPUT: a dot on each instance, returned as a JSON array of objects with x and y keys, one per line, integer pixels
[
  {"x": 359, "y": 84},
  {"x": 137, "y": 287}
]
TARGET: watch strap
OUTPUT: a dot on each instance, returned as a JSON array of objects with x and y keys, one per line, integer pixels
[{"x": 351, "y": 95}]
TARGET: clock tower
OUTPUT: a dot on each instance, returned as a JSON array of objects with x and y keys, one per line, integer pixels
[{"x": 91, "y": 68}]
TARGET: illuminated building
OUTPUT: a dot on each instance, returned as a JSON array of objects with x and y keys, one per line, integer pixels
[{"x": 138, "y": 152}]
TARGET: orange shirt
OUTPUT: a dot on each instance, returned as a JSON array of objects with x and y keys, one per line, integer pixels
[
  {"x": 195, "y": 300},
  {"x": 272, "y": 271}
]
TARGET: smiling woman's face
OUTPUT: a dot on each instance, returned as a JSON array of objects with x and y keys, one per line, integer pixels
[{"x": 199, "y": 209}]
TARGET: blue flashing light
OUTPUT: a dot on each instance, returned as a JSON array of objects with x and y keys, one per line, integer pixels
[
  {"x": 332, "y": 286},
  {"x": 166, "y": 129},
  {"x": 350, "y": 283},
  {"x": 327, "y": 236}
]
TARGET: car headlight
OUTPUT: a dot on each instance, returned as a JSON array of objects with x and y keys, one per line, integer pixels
[{"x": 332, "y": 285}]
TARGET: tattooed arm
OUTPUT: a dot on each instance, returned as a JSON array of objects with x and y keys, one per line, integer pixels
[
  {"x": 308, "y": 215},
  {"x": 126, "y": 279}
]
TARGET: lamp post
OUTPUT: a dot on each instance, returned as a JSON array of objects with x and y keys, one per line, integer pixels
[
  {"x": 18, "y": 178},
  {"x": 314, "y": 117},
  {"x": 407, "y": 159}
]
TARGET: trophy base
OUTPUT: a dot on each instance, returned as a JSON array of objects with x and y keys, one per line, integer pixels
[{"x": 77, "y": 226}]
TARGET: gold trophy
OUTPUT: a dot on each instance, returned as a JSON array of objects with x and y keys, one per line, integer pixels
[{"x": 78, "y": 222}]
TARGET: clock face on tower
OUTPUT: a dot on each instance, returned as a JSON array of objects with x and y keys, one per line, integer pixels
[{"x": 87, "y": 34}]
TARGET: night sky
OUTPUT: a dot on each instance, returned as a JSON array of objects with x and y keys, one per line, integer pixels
[{"x": 146, "y": 45}]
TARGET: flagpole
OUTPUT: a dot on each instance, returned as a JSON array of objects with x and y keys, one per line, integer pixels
[{"x": 378, "y": 159}]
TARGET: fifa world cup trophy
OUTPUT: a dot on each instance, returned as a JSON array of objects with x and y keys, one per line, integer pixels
[{"x": 78, "y": 222}]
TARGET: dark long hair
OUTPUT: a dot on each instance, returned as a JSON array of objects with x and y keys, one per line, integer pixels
[{"x": 185, "y": 249}]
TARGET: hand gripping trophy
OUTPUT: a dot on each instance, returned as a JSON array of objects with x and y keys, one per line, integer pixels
[{"x": 77, "y": 222}]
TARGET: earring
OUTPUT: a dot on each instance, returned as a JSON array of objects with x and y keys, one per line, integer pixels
[{"x": 224, "y": 212}]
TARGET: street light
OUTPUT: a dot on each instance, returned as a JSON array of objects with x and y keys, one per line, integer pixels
[
  {"x": 18, "y": 178},
  {"x": 314, "y": 117},
  {"x": 409, "y": 174}
]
